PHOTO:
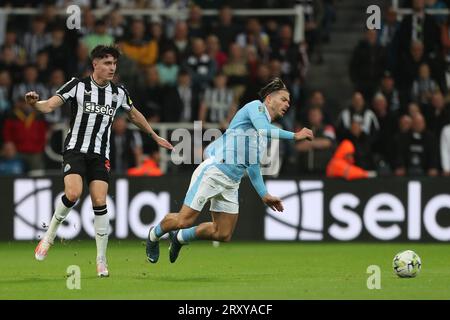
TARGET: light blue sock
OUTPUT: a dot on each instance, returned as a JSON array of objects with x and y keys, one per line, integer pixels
[
  {"x": 158, "y": 231},
  {"x": 187, "y": 235}
]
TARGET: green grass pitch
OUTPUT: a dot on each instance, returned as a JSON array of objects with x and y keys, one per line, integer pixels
[{"x": 236, "y": 270}]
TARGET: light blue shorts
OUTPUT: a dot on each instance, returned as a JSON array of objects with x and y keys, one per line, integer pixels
[{"x": 209, "y": 183}]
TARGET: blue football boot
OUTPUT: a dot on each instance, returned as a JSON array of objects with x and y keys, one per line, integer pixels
[
  {"x": 175, "y": 246},
  {"x": 152, "y": 249}
]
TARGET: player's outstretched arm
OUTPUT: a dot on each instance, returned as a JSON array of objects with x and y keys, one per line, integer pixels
[
  {"x": 44, "y": 106},
  {"x": 265, "y": 128},
  {"x": 139, "y": 120}
]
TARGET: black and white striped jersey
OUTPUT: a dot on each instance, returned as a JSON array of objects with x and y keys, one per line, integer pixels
[{"x": 93, "y": 109}]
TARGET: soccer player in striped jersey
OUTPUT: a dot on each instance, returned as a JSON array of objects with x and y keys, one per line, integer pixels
[
  {"x": 217, "y": 179},
  {"x": 94, "y": 102}
]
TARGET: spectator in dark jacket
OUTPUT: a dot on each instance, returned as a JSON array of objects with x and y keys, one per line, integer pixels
[
  {"x": 315, "y": 155},
  {"x": 197, "y": 28},
  {"x": 181, "y": 102},
  {"x": 126, "y": 146},
  {"x": 360, "y": 113},
  {"x": 180, "y": 40},
  {"x": 383, "y": 146},
  {"x": 253, "y": 87},
  {"x": 367, "y": 64},
  {"x": 417, "y": 151},
  {"x": 364, "y": 156},
  {"x": 224, "y": 28},
  {"x": 389, "y": 91},
  {"x": 419, "y": 27},
  {"x": 58, "y": 51},
  {"x": 408, "y": 70},
  {"x": 151, "y": 95},
  {"x": 438, "y": 114},
  {"x": 437, "y": 117},
  {"x": 287, "y": 52},
  {"x": 386, "y": 36},
  {"x": 9, "y": 63},
  {"x": 29, "y": 83},
  {"x": 201, "y": 67},
  {"x": 316, "y": 100}
]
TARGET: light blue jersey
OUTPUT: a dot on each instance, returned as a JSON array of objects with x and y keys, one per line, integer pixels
[{"x": 241, "y": 147}]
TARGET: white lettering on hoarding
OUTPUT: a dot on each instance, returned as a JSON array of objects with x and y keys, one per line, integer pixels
[
  {"x": 383, "y": 215},
  {"x": 33, "y": 198}
]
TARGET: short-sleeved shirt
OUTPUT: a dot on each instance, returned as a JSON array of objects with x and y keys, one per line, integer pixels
[{"x": 93, "y": 108}]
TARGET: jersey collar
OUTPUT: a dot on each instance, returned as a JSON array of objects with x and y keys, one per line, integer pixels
[
  {"x": 267, "y": 113},
  {"x": 101, "y": 87}
]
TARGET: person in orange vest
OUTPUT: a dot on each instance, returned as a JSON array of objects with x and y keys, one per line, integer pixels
[
  {"x": 342, "y": 164},
  {"x": 149, "y": 167}
]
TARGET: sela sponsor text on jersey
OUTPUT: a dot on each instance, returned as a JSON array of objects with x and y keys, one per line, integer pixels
[{"x": 92, "y": 107}]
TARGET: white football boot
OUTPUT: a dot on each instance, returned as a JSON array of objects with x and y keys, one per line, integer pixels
[
  {"x": 102, "y": 267},
  {"x": 41, "y": 251}
]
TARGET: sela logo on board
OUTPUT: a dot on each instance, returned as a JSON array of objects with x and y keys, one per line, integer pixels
[
  {"x": 302, "y": 218},
  {"x": 313, "y": 212},
  {"x": 34, "y": 203},
  {"x": 92, "y": 107}
]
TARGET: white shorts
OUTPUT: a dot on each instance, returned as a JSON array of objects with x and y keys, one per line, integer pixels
[{"x": 209, "y": 183}]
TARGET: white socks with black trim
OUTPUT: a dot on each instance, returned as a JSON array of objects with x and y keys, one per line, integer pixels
[
  {"x": 61, "y": 211},
  {"x": 101, "y": 225}
]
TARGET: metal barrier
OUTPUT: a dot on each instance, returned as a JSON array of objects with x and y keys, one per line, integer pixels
[{"x": 163, "y": 129}]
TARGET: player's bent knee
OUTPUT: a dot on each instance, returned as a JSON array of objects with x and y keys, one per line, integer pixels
[
  {"x": 73, "y": 195},
  {"x": 98, "y": 201}
]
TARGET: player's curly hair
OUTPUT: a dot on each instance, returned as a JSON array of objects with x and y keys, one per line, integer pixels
[
  {"x": 275, "y": 85},
  {"x": 101, "y": 51}
]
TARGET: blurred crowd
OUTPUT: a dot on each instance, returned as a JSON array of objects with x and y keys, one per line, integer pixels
[
  {"x": 398, "y": 120},
  {"x": 207, "y": 67}
]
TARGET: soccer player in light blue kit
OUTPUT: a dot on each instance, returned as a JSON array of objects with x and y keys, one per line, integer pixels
[{"x": 217, "y": 179}]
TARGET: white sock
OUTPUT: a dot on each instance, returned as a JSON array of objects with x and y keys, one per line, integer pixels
[
  {"x": 153, "y": 237},
  {"x": 101, "y": 224},
  {"x": 61, "y": 212},
  {"x": 180, "y": 237}
]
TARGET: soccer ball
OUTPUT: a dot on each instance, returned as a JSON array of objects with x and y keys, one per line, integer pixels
[{"x": 407, "y": 264}]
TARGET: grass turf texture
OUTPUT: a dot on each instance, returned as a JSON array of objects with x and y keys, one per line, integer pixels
[{"x": 236, "y": 270}]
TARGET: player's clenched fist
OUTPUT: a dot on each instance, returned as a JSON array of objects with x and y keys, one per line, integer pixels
[
  {"x": 31, "y": 98},
  {"x": 303, "y": 134}
]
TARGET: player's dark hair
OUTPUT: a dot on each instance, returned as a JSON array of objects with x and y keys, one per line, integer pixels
[
  {"x": 275, "y": 85},
  {"x": 101, "y": 51}
]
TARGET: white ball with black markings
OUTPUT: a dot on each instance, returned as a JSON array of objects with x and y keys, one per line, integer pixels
[{"x": 407, "y": 264}]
